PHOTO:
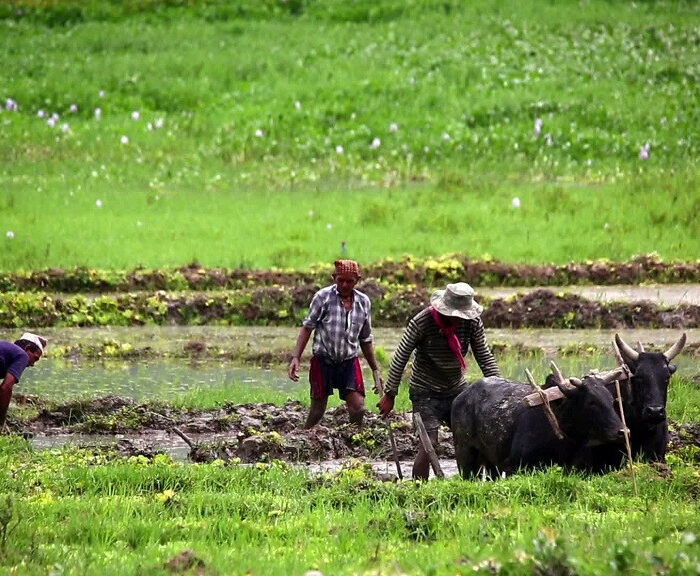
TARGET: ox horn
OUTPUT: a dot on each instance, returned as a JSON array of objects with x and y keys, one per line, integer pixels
[
  {"x": 608, "y": 377},
  {"x": 640, "y": 348},
  {"x": 628, "y": 353},
  {"x": 675, "y": 350},
  {"x": 564, "y": 385}
]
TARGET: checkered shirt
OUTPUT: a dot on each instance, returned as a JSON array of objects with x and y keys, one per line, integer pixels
[{"x": 338, "y": 333}]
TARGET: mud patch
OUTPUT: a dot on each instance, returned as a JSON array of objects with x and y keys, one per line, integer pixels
[{"x": 247, "y": 432}]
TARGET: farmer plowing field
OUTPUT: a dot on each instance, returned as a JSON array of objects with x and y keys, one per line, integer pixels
[{"x": 441, "y": 335}]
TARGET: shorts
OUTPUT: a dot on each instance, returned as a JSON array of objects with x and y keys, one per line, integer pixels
[
  {"x": 435, "y": 410},
  {"x": 325, "y": 375}
]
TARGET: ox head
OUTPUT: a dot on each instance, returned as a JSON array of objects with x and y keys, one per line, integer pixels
[
  {"x": 590, "y": 406},
  {"x": 651, "y": 373}
]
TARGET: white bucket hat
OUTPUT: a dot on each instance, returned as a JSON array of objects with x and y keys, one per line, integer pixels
[
  {"x": 456, "y": 300},
  {"x": 38, "y": 341}
]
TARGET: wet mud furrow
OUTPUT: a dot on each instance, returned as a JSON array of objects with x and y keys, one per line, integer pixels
[{"x": 249, "y": 432}]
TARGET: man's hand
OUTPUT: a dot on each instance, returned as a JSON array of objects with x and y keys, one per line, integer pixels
[
  {"x": 294, "y": 369},
  {"x": 378, "y": 387},
  {"x": 385, "y": 404}
]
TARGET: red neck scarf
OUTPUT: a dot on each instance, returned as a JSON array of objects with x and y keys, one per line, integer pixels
[{"x": 452, "y": 341}]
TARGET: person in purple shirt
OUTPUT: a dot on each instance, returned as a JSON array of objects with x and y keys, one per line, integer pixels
[{"x": 14, "y": 358}]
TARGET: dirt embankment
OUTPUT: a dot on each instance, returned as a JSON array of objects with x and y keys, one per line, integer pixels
[
  {"x": 278, "y": 306},
  {"x": 250, "y": 432},
  {"x": 428, "y": 272}
]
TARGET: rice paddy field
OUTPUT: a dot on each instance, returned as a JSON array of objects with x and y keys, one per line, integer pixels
[{"x": 194, "y": 141}]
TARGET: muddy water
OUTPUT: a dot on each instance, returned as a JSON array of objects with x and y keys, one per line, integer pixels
[
  {"x": 158, "y": 380},
  {"x": 169, "y": 379},
  {"x": 178, "y": 450}
]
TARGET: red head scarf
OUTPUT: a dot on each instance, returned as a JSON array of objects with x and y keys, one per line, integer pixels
[{"x": 347, "y": 267}]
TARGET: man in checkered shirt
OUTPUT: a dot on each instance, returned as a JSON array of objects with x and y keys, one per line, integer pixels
[{"x": 339, "y": 316}]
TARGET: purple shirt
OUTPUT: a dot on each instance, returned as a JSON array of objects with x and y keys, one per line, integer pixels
[{"x": 12, "y": 359}]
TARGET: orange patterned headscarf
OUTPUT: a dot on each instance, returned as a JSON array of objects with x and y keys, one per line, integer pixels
[{"x": 347, "y": 267}]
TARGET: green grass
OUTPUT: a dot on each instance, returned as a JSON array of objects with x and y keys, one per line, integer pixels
[
  {"x": 463, "y": 83},
  {"x": 76, "y": 512}
]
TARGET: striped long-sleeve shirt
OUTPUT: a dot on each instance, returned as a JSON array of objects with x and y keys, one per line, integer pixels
[{"x": 436, "y": 370}]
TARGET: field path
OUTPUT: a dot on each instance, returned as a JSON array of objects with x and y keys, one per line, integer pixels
[{"x": 660, "y": 294}]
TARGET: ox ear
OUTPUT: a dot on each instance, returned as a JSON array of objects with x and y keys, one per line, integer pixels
[
  {"x": 675, "y": 350},
  {"x": 629, "y": 354}
]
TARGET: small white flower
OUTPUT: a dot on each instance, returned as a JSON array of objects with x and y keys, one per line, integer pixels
[
  {"x": 445, "y": 136},
  {"x": 51, "y": 122},
  {"x": 102, "y": 93},
  {"x": 94, "y": 174},
  {"x": 376, "y": 143},
  {"x": 124, "y": 139},
  {"x": 297, "y": 105},
  {"x": 606, "y": 226},
  {"x": 73, "y": 108},
  {"x": 329, "y": 226},
  {"x": 159, "y": 123},
  {"x": 98, "y": 113},
  {"x": 258, "y": 133},
  {"x": 339, "y": 149},
  {"x": 311, "y": 213},
  {"x": 538, "y": 127},
  {"x": 515, "y": 202},
  {"x": 149, "y": 127},
  {"x": 55, "y": 117},
  {"x": 11, "y": 105},
  {"x": 135, "y": 115},
  {"x": 644, "y": 151},
  {"x": 393, "y": 127},
  {"x": 548, "y": 140},
  {"x": 98, "y": 203},
  {"x": 139, "y": 223},
  {"x": 10, "y": 234},
  {"x": 41, "y": 114},
  {"x": 65, "y": 127}
]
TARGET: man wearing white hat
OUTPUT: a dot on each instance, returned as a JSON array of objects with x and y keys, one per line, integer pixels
[
  {"x": 14, "y": 358},
  {"x": 441, "y": 335}
]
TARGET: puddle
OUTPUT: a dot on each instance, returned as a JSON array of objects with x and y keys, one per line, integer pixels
[{"x": 178, "y": 450}]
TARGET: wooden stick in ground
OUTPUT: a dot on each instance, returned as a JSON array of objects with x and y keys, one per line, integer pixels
[
  {"x": 380, "y": 390},
  {"x": 184, "y": 436},
  {"x": 627, "y": 436},
  {"x": 546, "y": 407},
  {"x": 428, "y": 445}
]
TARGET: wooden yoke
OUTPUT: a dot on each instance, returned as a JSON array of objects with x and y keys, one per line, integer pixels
[{"x": 543, "y": 398}]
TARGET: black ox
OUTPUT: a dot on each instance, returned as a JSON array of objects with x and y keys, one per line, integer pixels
[
  {"x": 644, "y": 403},
  {"x": 494, "y": 427}
]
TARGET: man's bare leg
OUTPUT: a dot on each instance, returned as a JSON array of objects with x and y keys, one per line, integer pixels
[
  {"x": 316, "y": 412},
  {"x": 356, "y": 407}
]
